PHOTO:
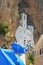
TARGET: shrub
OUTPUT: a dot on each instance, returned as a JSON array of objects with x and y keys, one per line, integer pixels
[
  {"x": 30, "y": 59},
  {"x": 3, "y": 28}
]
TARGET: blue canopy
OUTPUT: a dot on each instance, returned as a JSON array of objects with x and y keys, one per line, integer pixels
[
  {"x": 7, "y": 57},
  {"x": 18, "y": 49}
]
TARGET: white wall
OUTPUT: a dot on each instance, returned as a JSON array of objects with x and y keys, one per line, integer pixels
[
  {"x": 31, "y": 28},
  {"x": 23, "y": 58},
  {"x": 22, "y": 33}
]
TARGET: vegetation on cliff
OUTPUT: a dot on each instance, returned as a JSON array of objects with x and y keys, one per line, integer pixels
[{"x": 3, "y": 28}]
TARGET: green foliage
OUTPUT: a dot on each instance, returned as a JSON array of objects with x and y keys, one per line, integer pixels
[
  {"x": 3, "y": 28},
  {"x": 30, "y": 58}
]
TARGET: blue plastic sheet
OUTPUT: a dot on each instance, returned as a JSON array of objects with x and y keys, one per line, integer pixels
[
  {"x": 8, "y": 57},
  {"x": 18, "y": 49}
]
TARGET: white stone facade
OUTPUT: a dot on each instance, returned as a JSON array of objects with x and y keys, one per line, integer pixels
[{"x": 24, "y": 35}]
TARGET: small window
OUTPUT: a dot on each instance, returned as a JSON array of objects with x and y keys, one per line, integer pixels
[
  {"x": 40, "y": 51},
  {"x": 24, "y": 17},
  {"x": 24, "y": 42}
]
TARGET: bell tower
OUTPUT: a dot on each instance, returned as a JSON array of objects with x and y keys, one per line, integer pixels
[{"x": 23, "y": 21}]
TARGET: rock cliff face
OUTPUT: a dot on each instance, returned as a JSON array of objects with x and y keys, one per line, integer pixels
[{"x": 9, "y": 13}]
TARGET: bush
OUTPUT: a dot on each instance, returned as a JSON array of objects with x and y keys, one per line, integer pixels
[
  {"x": 30, "y": 59},
  {"x": 3, "y": 28}
]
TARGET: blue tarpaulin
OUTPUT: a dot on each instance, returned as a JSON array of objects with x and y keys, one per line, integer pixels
[
  {"x": 8, "y": 57},
  {"x": 18, "y": 49}
]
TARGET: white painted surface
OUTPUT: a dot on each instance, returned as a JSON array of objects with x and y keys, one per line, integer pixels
[
  {"x": 31, "y": 28},
  {"x": 22, "y": 33},
  {"x": 23, "y": 58}
]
